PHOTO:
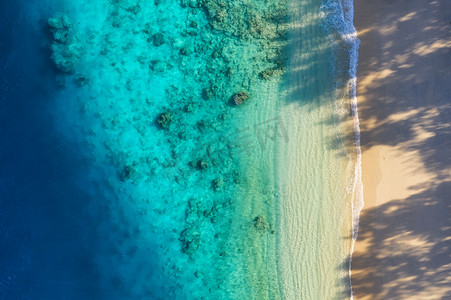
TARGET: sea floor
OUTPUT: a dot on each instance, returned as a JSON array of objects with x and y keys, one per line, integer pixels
[{"x": 156, "y": 89}]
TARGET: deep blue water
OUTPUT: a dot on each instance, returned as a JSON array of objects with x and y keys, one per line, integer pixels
[{"x": 47, "y": 239}]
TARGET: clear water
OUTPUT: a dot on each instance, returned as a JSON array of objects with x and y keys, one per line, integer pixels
[
  {"x": 130, "y": 172},
  {"x": 317, "y": 184}
]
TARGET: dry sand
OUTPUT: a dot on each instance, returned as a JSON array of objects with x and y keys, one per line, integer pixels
[{"x": 403, "y": 249}]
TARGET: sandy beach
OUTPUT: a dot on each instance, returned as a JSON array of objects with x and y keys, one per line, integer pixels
[{"x": 403, "y": 249}]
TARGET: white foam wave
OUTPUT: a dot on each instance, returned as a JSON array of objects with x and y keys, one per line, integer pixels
[
  {"x": 351, "y": 38},
  {"x": 339, "y": 16}
]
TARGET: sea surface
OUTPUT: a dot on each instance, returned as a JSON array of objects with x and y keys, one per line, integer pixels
[{"x": 191, "y": 149}]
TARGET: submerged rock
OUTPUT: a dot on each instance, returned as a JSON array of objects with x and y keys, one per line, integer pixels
[
  {"x": 193, "y": 24},
  {"x": 207, "y": 93},
  {"x": 185, "y": 51},
  {"x": 164, "y": 120},
  {"x": 261, "y": 224},
  {"x": 126, "y": 173},
  {"x": 204, "y": 125},
  {"x": 270, "y": 73},
  {"x": 190, "y": 240},
  {"x": 64, "y": 57},
  {"x": 202, "y": 164},
  {"x": 135, "y": 9},
  {"x": 190, "y": 107},
  {"x": 198, "y": 274},
  {"x": 59, "y": 22},
  {"x": 218, "y": 184},
  {"x": 158, "y": 39},
  {"x": 61, "y": 36},
  {"x": 239, "y": 98},
  {"x": 65, "y": 47},
  {"x": 81, "y": 80},
  {"x": 194, "y": 205},
  {"x": 189, "y": 3}
]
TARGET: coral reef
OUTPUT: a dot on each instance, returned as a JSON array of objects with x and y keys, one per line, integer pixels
[
  {"x": 190, "y": 240},
  {"x": 126, "y": 173},
  {"x": 158, "y": 39},
  {"x": 158, "y": 80},
  {"x": 218, "y": 184},
  {"x": 271, "y": 73},
  {"x": 201, "y": 164},
  {"x": 261, "y": 224},
  {"x": 239, "y": 98},
  {"x": 65, "y": 48},
  {"x": 164, "y": 120}
]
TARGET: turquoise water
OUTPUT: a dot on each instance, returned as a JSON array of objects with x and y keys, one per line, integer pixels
[
  {"x": 151, "y": 87},
  {"x": 184, "y": 112}
]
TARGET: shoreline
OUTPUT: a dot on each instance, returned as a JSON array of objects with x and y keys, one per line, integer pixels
[
  {"x": 350, "y": 37},
  {"x": 403, "y": 248},
  {"x": 315, "y": 213}
]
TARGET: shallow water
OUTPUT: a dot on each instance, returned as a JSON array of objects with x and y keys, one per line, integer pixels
[
  {"x": 317, "y": 183},
  {"x": 192, "y": 211},
  {"x": 143, "y": 178}
]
